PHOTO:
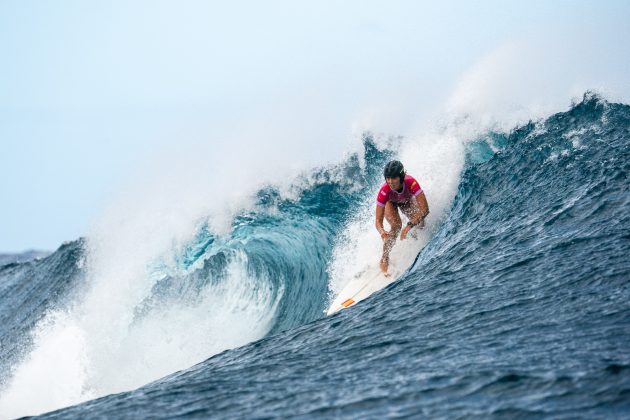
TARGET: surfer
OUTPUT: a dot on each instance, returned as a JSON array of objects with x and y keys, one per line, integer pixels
[{"x": 400, "y": 191}]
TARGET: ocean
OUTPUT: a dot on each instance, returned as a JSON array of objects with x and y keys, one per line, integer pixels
[{"x": 514, "y": 302}]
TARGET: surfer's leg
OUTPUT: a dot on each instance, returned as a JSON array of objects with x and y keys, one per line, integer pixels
[
  {"x": 410, "y": 208},
  {"x": 393, "y": 218}
]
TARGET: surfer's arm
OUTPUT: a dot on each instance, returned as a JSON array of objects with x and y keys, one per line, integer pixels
[
  {"x": 380, "y": 215},
  {"x": 421, "y": 199}
]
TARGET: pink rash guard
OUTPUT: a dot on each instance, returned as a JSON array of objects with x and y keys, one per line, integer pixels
[{"x": 410, "y": 188}]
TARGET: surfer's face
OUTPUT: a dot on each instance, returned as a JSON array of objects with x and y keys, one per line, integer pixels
[{"x": 394, "y": 183}]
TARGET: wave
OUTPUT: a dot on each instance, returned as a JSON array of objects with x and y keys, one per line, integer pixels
[
  {"x": 532, "y": 235},
  {"x": 218, "y": 291}
]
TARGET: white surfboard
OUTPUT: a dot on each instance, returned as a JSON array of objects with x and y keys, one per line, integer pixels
[{"x": 361, "y": 286}]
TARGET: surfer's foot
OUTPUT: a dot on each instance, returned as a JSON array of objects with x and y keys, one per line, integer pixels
[{"x": 384, "y": 265}]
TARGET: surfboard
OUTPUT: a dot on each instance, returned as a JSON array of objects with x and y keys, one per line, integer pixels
[{"x": 361, "y": 286}]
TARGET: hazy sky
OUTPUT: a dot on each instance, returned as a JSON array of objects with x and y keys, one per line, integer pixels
[{"x": 90, "y": 91}]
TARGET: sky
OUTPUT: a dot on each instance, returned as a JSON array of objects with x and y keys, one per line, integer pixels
[{"x": 94, "y": 93}]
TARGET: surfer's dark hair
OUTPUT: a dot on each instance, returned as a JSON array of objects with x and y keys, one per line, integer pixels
[{"x": 394, "y": 169}]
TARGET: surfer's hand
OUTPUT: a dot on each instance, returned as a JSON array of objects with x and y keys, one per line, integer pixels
[
  {"x": 404, "y": 232},
  {"x": 384, "y": 235}
]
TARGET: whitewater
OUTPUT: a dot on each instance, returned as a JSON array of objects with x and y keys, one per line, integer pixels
[{"x": 514, "y": 301}]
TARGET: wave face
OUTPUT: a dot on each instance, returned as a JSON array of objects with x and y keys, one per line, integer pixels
[{"x": 518, "y": 305}]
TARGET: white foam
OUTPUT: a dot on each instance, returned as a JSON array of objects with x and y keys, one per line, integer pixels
[{"x": 54, "y": 374}]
